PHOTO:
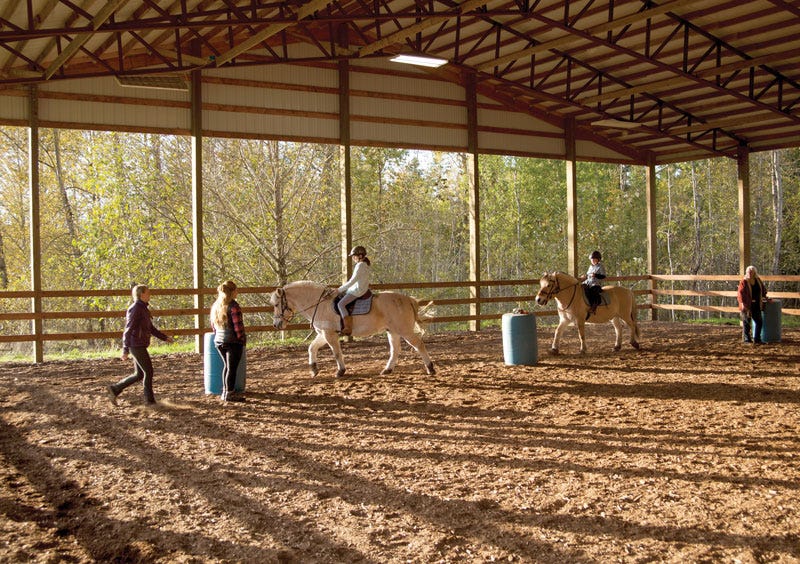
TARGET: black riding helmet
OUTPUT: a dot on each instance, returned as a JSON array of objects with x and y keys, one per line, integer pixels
[
  {"x": 596, "y": 255},
  {"x": 358, "y": 250}
]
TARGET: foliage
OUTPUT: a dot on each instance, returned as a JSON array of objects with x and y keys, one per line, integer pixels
[{"x": 117, "y": 208}]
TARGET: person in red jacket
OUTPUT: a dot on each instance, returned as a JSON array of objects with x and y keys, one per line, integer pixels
[
  {"x": 751, "y": 295},
  {"x": 135, "y": 340}
]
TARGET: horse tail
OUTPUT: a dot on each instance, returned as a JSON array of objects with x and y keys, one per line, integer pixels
[{"x": 422, "y": 314}]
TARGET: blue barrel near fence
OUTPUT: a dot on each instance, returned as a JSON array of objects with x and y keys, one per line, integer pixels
[
  {"x": 771, "y": 328},
  {"x": 519, "y": 339},
  {"x": 212, "y": 367}
]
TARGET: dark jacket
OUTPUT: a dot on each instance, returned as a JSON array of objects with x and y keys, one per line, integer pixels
[
  {"x": 233, "y": 332},
  {"x": 746, "y": 299},
  {"x": 139, "y": 327}
]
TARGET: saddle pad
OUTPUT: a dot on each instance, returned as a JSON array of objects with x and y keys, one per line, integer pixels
[{"x": 360, "y": 306}]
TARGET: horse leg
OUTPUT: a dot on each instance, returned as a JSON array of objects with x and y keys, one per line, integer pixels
[
  {"x": 394, "y": 352},
  {"x": 332, "y": 338},
  {"x": 580, "y": 323},
  {"x": 562, "y": 323},
  {"x": 633, "y": 325},
  {"x": 617, "y": 323},
  {"x": 418, "y": 345},
  {"x": 313, "y": 349}
]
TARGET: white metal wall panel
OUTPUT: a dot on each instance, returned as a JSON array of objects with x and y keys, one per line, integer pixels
[
  {"x": 103, "y": 103},
  {"x": 512, "y": 120},
  {"x": 300, "y": 102},
  {"x": 404, "y": 84},
  {"x": 13, "y": 106},
  {"x": 270, "y": 106},
  {"x": 505, "y": 143},
  {"x": 271, "y": 126},
  {"x": 408, "y": 136}
]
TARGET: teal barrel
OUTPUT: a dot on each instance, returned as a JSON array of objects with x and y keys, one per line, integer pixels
[
  {"x": 771, "y": 328},
  {"x": 519, "y": 339},
  {"x": 212, "y": 367}
]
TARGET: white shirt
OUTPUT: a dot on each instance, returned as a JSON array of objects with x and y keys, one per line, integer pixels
[{"x": 359, "y": 281}]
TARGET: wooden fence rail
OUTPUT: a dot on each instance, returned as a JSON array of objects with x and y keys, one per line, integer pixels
[{"x": 657, "y": 297}]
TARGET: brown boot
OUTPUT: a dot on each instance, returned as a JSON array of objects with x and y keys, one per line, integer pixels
[{"x": 347, "y": 325}]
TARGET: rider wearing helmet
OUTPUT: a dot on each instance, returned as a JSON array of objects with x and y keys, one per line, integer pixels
[
  {"x": 592, "y": 281},
  {"x": 357, "y": 286}
]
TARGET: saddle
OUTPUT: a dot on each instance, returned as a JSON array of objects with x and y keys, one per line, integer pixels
[{"x": 359, "y": 306}]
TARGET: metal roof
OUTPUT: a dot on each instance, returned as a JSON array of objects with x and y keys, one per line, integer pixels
[{"x": 654, "y": 81}]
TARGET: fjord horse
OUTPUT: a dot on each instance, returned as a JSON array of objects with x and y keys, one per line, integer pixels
[
  {"x": 397, "y": 314},
  {"x": 572, "y": 308}
]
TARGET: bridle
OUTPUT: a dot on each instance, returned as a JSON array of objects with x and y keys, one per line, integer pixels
[
  {"x": 550, "y": 294},
  {"x": 279, "y": 320},
  {"x": 287, "y": 313}
]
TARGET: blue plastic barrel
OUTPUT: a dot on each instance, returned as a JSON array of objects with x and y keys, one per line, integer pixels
[
  {"x": 212, "y": 367},
  {"x": 771, "y": 328},
  {"x": 519, "y": 339}
]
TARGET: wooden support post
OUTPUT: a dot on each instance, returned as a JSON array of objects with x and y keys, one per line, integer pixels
[
  {"x": 652, "y": 228},
  {"x": 743, "y": 182},
  {"x": 473, "y": 179},
  {"x": 572, "y": 196},
  {"x": 35, "y": 223},
  {"x": 345, "y": 176},
  {"x": 197, "y": 202}
]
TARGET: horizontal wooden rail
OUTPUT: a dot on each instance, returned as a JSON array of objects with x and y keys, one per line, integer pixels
[{"x": 654, "y": 295}]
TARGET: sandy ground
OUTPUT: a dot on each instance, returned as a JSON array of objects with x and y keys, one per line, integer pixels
[{"x": 684, "y": 451}]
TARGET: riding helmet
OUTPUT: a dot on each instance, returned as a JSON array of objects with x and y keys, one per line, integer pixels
[
  {"x": 358, "y": 250},
  {"x": 596, "y": 255}
]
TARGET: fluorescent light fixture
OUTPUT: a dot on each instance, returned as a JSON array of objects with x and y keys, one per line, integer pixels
[{"x": 419, "y": 60}]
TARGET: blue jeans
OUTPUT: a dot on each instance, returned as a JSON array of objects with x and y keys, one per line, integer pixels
[
  {"x": 342, "y": 305},
  {"x": 754, "y": 316}
]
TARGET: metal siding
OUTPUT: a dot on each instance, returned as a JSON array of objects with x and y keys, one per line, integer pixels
[
  {"x": 13, "y": 108},
  {"x": 408, "y": 136},
  {"x": 515, "y": 144},
  {"x": 271, "y": 126}
]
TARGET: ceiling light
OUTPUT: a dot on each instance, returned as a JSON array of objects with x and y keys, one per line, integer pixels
[{"x": 419, "y": 60}]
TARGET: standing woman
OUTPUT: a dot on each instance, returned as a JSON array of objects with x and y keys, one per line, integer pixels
[
  {"x": 354, "y": 288},
  {"x": 135, "y": 340},
  {"x": 229, "y": 337},
  {"x": 751, "y": 295}
]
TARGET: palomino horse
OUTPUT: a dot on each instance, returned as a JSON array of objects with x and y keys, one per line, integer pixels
[
  {"x": 397, "y": 314},
  {"x": 568, "y": 293}
]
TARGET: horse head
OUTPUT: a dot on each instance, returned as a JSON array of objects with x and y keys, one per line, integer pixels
[
  {"x": 281, "y": 313},
  {"x": 549, "y": 288}
]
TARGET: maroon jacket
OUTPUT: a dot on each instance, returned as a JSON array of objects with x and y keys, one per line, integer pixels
[
  {"x": 744, "y": 296},
  {"x": 139, "y": 327}
]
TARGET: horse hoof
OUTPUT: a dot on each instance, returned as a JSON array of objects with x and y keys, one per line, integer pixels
[
  {"x": 617, "y": 348},
  {"x": 430, "y": 369},
  {"x": 635, "y": 345},
  {"x": 386, "y": 371},
  {"x": 554, "y": 352},
  {"x": 314, "y": 369},
  {"x": 340, "y": 372}
]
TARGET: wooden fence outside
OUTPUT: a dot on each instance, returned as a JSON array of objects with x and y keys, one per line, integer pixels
[{"x": 712, "y": 294}]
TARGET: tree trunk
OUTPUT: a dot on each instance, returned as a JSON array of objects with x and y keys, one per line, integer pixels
[{"x": 777, "y": 206}]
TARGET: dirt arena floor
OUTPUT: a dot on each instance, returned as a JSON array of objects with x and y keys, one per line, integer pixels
[{"x": 685, "y": 451}]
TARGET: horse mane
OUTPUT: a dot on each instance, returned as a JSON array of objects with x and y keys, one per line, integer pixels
[{"x": 305, "y": 284}]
